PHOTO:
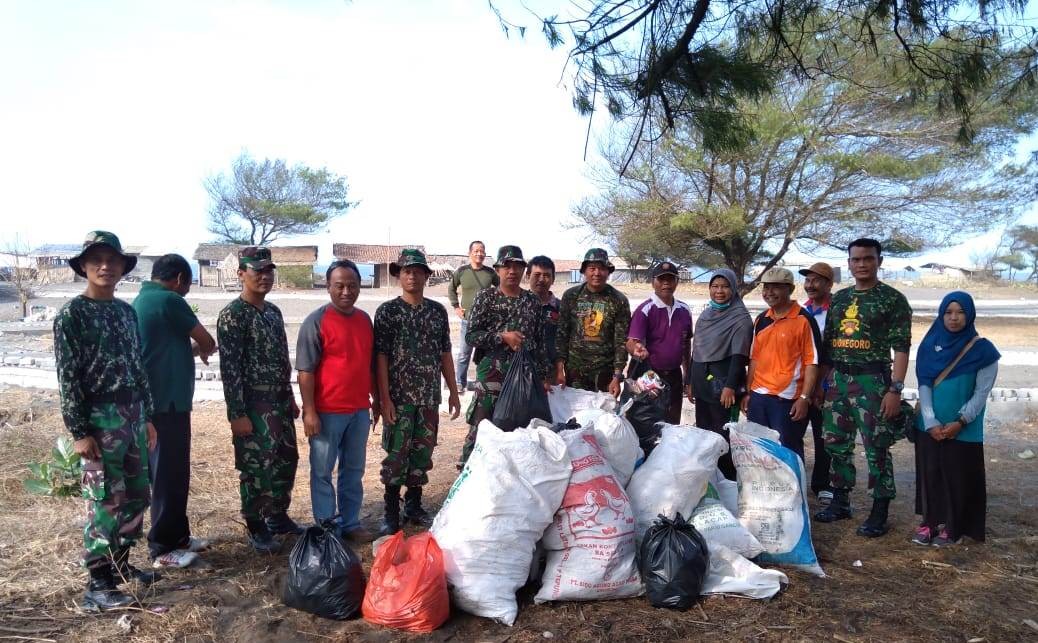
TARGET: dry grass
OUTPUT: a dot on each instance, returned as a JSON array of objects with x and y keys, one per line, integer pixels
[{"x": 901, "y": 591}]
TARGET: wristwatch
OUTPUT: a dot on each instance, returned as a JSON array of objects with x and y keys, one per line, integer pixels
[
  {"x": 804, "y": 396},
  {"x": 897, "y": 387},
  {"x": 618, "y": 375}
]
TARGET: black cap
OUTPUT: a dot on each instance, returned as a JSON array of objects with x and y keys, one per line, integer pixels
[{"x": 665, "y": 268}]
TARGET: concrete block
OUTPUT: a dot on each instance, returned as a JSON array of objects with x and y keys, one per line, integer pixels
[
  {"x": 27, "y": 361},
  {"x": 11, "y": 360},
  {"x": 46, "y": 362},
  {"x": 209, "y": 376}
]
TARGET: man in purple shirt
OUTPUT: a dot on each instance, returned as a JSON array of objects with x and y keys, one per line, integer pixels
[{"x": 661, "y": 335}]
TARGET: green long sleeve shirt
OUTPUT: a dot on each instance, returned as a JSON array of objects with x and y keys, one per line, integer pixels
[{"x": 471, "y": 281}]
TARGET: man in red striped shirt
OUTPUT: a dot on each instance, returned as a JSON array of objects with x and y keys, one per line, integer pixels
[{"x": 783, "y": 362}]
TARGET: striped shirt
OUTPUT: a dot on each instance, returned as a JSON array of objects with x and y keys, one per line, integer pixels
[{"x": 781, "y": 351}]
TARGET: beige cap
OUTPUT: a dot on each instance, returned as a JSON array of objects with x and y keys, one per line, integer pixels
[
  {"x": 777, "y": 276},
  {"x": 821, "y": 269}
]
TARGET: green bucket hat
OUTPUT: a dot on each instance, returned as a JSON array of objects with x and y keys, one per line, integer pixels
[
  {"x": 255, "y": 257},
  {"x": 597, "y": 255},
  {"x": 101, "y": 238},
  {"x": 509, "y": 254},
  {"x": 409, "y": 257}
]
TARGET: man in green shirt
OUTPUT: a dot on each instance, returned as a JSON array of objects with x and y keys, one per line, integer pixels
[
  {"x": 167, "y": 326},
  {"x": 106, "y": 406},
  {"x": 261, "y": 406},
  {"x": 865, "y": 324},
  {"x": 591, "y": 342},
  {"x": 472, "y": 279}
]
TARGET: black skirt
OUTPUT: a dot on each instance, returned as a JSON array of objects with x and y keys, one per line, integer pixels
[{"x": 950, "y": 486}]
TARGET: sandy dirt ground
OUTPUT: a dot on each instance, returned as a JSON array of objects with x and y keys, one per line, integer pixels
[{"x": 973, "y": 592}]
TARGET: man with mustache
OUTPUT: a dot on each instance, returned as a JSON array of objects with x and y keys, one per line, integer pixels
[
  {"x": 818, "y": 284},
  {"x": 106, "y": 404},
  {"x": 471, "y": 279},
  {"x": 541, "y": 273},
  {"x": 261, "y": 407}
]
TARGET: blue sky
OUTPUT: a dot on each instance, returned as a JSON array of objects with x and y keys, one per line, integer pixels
[{"x": 113, "y": 113}]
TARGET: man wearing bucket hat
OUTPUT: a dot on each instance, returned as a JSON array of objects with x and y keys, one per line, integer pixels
[
  {"x": 261, "y": 407},
  {"x": 783, "y": 362},
  {"x": 818, "y": 284},
  {"x": 106, "y": 404},
  {"x": 504, "y": 320},
  {"x": 412, "y": 353},
  {"x": 592, "y": 337}
]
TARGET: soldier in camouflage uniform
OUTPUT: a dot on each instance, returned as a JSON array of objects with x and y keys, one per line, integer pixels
[
  {"x": 865, "y": 324},
  {"x": 261, "y": 407},
  {"x": 592, "y": 334},
  {"x": 412, "y": 352},
  {"x": 106, "y": 405},
  {"x": 503, "y": 320}
]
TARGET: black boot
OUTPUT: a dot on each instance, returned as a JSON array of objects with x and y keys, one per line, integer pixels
[
  {"x": 260, "y": 537},
  {"x": 102, "y": 593},
  {"x": 280, "y": 523},
  {"x": 839, "y": 508},
  {"x": 391, "y": 522},
  {"x": 876, "y": 524},
  {"x": 125, "y": 572},
  {"x": 413, "y": 511}
]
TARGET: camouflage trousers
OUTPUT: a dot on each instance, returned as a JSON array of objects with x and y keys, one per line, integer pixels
[
  {"x": 266, "y": 460},
  {"x": 116, "y": 485},
  {"x": 588, "y": 379},
  {"x": 409, "y": 444},
  {"x": 852, "y": 404},
  {"x": 490, "y": 375}
]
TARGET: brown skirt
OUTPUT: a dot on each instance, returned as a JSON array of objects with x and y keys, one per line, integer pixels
[{"x": 950, "y": 486}]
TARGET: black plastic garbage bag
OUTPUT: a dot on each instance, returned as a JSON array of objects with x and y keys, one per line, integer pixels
[
  {"x": 522, "y": 395},
  {"x": 648, "y": 409},
  {"x": 325, "y": 577},
  {"x": 674, "y": 561}
]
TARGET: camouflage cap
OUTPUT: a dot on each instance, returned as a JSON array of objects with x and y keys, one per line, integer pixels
[
  {"x": 409, "y": 257},
  {"x": 597, "y": 255},
  {"x": 509, "y": 254},
  {"x": 101, "y": 238},
  {"x": 255, "y": 257}
]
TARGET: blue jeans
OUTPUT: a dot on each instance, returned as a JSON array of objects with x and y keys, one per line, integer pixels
[
  {"x": 343, "y": 437},
  {"x": 773, "y": 412},
  {"x": 461, "y": 360}
]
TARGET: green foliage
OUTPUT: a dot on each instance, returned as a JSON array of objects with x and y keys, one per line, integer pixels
[
  {"x": 296, "y": 276},
  {"x": 1024, "y": 249},
  {"x": 59, "y": 477},
  {"x": 261, "y": 201},
  {"x": 195, "y": 308}
]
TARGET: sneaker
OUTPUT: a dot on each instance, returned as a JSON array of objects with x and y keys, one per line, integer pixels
[
  {"x": 175, "y": 558},
  {"x": 196, "y": 544},
  {"x": 923, "y": 535},
  {"x": 943, "y": 540},
  {"x": 825, "y": 497}
]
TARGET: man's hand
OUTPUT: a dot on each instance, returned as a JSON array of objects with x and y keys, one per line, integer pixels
[
  {"x": 388, "y": 412},
  {"x": 688, "y": 393},
  {"x": 295, "y": 409},
  {"x": 800, "y": 409},
  {"x": 311, "y": 423},
  {"x": 460, "y": 312},
  {"x": 513, "y": 338},
  {"x": 614, "y": 387},
  {"x": 744, "y": 405},
  {"x": 560, "y": 374},
  {"x": 727, "y": 397},
  {"x": 87, "y": 448},
  {"x": 638, "y": 350},
  {"x": 153, "y": 437},
  {"x": 241, "y": 427},
  {"x": 891, "y": 405},
  {"x": 454, "y": 405}
]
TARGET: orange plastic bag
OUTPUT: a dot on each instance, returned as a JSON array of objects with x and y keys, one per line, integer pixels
[{"x": 407, "y": 589}]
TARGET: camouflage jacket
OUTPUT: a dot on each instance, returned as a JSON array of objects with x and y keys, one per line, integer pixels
[
  {"x": 413, "y": 339},
  {"x": 97, "y": 351},
  {"x": 493, "y": 312},
  {"x": 592, "y": 332},
  {"x": 863, "y": 326},
  {"x": 253, "y": 352}
]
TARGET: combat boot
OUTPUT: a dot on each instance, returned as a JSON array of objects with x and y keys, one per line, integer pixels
[
  {"x": 280, "y": 523},
  {"x": 102, "y": 593},
  {"x": 260, "y": 537},
  {"x": 839, "y": 508},
  {"x": 391, "y": 521},
  {"x": 876, "y": 524},
  {"x": 413, "y": 511},
  {"x": 125, "y": 572}
]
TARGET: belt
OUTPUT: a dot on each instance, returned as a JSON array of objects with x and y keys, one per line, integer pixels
[
  {"x": 869, "y": 368},
  {"x": 123, "y": 396},
  {"x": 265, "y": 393}
]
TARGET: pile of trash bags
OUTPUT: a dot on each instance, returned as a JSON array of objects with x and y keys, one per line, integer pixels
[{"x": 575, "y": 502}]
